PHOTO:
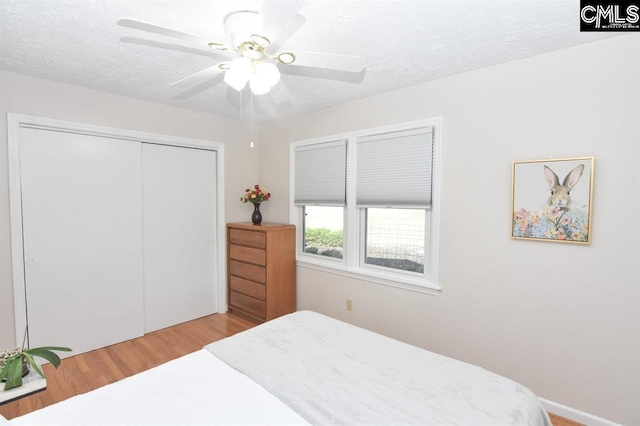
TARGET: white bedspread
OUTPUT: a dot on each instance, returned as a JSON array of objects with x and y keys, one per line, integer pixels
[
  {"x": 196, "y": 389},
  {"x": 332, "y": 373}
]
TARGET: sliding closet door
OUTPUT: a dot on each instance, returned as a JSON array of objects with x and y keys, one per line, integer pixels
[
  {"x": 82, "y": 234},
  {"x": 179, "y": 216}
]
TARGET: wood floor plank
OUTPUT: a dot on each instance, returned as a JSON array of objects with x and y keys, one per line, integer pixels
[
  {"x": 91, "y": 370},
  {"x": 108, "y": 368}
]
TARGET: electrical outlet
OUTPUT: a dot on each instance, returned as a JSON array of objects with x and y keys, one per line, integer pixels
[{"x": 349, "y": 305}]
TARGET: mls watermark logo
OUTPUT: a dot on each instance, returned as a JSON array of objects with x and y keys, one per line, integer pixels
[{"x": 614, "y": 16}]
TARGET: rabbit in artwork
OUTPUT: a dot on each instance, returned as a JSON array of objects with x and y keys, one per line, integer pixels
[{"x": 560, "y": 197}]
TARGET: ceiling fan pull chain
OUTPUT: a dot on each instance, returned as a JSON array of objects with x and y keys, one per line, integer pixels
[{"x": 251, "y": 102}]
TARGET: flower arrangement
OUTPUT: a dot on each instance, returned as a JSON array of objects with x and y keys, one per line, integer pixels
[{"x": 255, "y": 195}]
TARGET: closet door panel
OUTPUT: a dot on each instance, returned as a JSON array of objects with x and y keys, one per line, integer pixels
[
  {"x": 179, "y": 217},
  {"x": 82, "y": 233}
]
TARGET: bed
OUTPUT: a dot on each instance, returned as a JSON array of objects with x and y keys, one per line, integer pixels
[{"x": 304, "y": 368}]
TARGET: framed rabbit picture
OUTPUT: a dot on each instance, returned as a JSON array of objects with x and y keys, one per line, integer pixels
[{"x": 551, "y": 200}]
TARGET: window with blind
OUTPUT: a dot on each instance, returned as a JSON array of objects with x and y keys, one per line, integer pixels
[
  {"x": 367, "y": 203},
  {"x": 320, "y": 191}
]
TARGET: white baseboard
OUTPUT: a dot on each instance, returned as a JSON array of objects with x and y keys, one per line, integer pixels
[{"x": 575, "y": 415}]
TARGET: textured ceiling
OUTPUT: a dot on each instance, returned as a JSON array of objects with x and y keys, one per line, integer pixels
[{"x": 403, "y": 42}]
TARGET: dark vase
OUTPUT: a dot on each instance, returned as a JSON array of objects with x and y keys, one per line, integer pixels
[{"x": 256, "y": 217}]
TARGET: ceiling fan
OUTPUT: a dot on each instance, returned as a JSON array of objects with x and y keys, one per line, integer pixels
[{"x": 250, "y": 36}]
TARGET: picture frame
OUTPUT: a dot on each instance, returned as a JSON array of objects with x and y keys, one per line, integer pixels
[{"x": 551, "y": 200}]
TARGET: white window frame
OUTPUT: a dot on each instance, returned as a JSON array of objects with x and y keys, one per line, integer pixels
[{"x": 352, "y": 264}]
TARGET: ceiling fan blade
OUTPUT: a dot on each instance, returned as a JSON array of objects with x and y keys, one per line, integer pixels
[
  {"x": 200, "y": 76},
  {"x": 157, "y": 29},
  {"x": 275, "y": 15},
  {"x": 328, "y": 61}
]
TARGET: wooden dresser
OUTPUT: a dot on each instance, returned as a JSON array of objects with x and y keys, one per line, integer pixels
[{"x": 261, "y": 270}]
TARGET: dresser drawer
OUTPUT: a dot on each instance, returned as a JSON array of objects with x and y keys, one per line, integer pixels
[
  {"x": 249, "y": 304},
  {"x": 248, "y": 271},
  {"x": 248, "y": 238},
  {"x": 248, "y": 254},
  {"x": 250, "y": 288}
]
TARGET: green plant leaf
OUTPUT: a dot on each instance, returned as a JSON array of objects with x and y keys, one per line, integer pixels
[
  {"x": 33, "y": 364},
  {"x": 53, "y": 358},
  {"x": 14, "y": 375},
  {"x": 47, "y": 353},
  {"x": 7, "y": 367},
  {"x": 51, "y": 348},
  {"x": 12, "y": 370},
  {"x": 4, "y": 372}
]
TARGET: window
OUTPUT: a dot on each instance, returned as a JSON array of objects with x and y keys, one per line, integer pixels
[
  {"x": 395, "y": 238},
  {"x": 320, "y": 193},
  {"x": 367, "y": 203},
  {"x": 323, "y": 231}
]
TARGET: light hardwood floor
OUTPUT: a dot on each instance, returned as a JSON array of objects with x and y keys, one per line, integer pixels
[{"x": 88, "y": 371}]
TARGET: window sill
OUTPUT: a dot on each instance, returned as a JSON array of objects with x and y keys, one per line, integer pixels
[{"x": 409, "y": 283}]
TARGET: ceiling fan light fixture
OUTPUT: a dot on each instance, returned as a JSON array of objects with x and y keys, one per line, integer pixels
[
  {"x": 258, "y": 86},
  {"x": 250, "y": 33},
  {"x": 266, "y": 76},
  {"x": 239, "y": 73},
  {"x": 269, "y": 72}
]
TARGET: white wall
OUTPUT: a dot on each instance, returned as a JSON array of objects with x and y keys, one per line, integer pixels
[
  {"x": 26, "y": 95},
  {"x": 562, "y": 319}
]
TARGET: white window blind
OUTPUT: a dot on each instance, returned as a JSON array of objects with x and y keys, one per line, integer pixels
[
  {"x": 320, "y": 174},
  {"x": 395, "y": 169}
]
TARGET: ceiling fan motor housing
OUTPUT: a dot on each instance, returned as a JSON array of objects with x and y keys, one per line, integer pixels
[{"x": 240, "y": 26}]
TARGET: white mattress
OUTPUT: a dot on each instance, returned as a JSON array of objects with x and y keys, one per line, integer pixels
[
  {"x": 196, "y": 389},
  {"x": 304, "y": 368},
  {"x": 333, "y": 373}
]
